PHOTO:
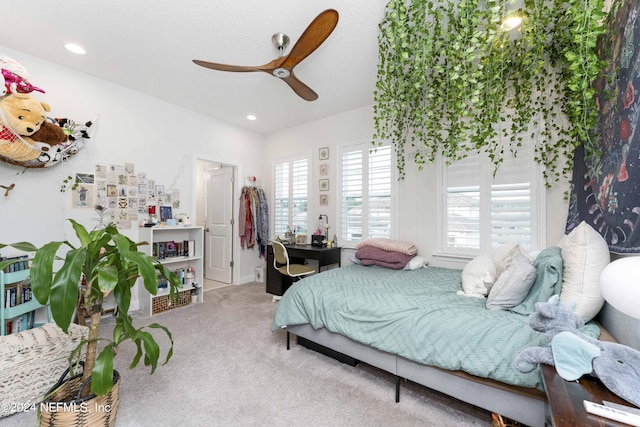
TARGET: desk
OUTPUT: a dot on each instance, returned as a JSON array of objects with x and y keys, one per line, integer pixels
[
  {"x": 564, "y": 399},
  {"x": 277, "y": 284}
]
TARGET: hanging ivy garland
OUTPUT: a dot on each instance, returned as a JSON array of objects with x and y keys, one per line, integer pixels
[{"x": 451, "y": 80}]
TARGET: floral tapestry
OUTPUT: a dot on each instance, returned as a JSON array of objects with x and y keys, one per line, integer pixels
[{"x": 608, "y": 198}]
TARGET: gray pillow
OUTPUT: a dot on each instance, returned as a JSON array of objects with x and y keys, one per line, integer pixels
[{"x": 512, "y": 285}]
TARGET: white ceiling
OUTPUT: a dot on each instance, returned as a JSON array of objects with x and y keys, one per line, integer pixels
[{"x": 148, "y": 46}]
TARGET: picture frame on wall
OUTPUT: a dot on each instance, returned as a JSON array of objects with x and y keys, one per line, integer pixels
[
  {"x": 324, "y": 200},
  {"x": 324, "y": 184},
  {"x": 323, "y": 153},
  {"x": 324, "y": 169}
]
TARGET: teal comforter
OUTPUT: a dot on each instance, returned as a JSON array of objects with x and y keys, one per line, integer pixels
[{"x": 417, "y": 315}]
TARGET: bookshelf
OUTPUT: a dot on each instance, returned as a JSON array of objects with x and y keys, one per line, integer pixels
[
  {"x": 12, "y": 308},
  {"x": 186, "y": 259}
]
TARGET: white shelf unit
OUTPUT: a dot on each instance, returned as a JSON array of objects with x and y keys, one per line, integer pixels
[
  {"x": 153, "y": 235},
  {"x": 19, "y": 310}
]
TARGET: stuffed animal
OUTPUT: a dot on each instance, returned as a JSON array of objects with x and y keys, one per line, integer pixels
[
  {"x": 50, "y": 139},
  {"x": 14, "y": 77},
  {"x": 20, "y": 117},
  {"x": 575, "y": 354},
  {"x": 75, "y": 130}
]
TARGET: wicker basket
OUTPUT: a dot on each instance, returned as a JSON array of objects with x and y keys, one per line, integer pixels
[
  {"x": 31, "y": 362},
  {"x": 64, "y": 407},
  {"x": 164, "y": 303},
  {"x": 498, "y": 420}
]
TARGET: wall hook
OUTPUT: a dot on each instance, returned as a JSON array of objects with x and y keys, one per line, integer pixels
[{"x": 7, "y": 189}]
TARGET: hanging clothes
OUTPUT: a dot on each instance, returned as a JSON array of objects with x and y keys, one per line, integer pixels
[
  {"x": 263, "y": 222},
  {"x": 254, "y": 219},
  {"x": 245, "y": 220}
]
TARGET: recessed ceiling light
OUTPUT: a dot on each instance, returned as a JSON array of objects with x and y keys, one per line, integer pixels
[
  {"x": 251, "y": 117},
  {"x": 72, "y": 47}
]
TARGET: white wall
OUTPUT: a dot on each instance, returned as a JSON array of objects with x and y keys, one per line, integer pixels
[
  {"x": 416, "y": 193},
  {"x": 161, "y": 139}
]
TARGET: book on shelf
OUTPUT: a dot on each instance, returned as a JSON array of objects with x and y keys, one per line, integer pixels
[
  {"x": 17, "y": 293},
  {"x": 22, "y": 263},
  {"x": 20, "y": 323},
  {"x": 170, "y": 249}
]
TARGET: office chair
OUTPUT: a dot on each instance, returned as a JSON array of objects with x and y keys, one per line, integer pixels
[{"x": 282, "y": 264}]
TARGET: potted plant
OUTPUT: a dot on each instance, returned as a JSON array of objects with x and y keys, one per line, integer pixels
[{"x": 105, "y": 261}]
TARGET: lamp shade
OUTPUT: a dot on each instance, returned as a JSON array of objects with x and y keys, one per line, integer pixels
[{"x": 620, "y": 285}]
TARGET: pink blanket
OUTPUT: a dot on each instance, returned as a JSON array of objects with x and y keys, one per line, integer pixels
[{"x": 370, "y": 255}]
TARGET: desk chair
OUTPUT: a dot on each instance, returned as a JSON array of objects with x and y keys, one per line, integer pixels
[{"x": 282, "y": 264}]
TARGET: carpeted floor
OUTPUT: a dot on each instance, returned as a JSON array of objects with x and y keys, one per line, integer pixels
[{"x": 229, "y": 369}]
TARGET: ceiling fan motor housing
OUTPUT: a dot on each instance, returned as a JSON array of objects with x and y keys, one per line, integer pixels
[{"x": 280, "y": 40}]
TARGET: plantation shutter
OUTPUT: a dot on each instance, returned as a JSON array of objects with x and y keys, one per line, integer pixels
[
  {"x": 291, "y": 183},
  {"x": 366, "y": 192},
  {"x": 511, "y": 213},
  {"x": 463, "y": 204},
  {"x": 481, "y": 211}
]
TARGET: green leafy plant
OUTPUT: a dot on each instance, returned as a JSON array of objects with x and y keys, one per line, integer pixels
[
  {"x": 451, "y": 80},
  {"x": 105, "y": 261}
]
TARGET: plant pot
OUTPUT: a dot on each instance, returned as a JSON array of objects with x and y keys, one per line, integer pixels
[{"x": 63, "y": 405}]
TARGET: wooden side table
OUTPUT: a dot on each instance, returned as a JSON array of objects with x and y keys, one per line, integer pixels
[{"x": 564, "y": 399}]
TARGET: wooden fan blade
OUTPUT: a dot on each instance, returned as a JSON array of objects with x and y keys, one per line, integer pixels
[
  {"x": 312, "y": 37},
  {"x": 226, "y": 67},
  {"x": 303, "y": 91}
]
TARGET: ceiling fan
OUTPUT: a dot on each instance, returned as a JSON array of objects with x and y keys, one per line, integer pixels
[{"x": 312, "y": 37}]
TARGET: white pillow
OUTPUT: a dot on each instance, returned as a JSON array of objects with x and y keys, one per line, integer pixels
[
  {"x": 416, "y": 262},
  {"x": 513, "y": 285},
  {"x": 478, "y": 276},
  {"x": 585, "y": 254}
]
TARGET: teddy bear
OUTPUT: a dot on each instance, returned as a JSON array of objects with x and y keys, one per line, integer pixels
[
  {"x": 574, "y": 353},
  {"x": 52, "y": 141},
  {"x": 20, "y": 117}
]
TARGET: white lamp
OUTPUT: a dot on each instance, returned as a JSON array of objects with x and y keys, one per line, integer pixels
[{"x": 620, "y": 285}]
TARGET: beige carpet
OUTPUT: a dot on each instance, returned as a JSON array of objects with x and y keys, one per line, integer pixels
[{"x": 229, "y": 369}]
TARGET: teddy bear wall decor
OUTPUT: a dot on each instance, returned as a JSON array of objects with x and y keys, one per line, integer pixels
[
  {"x": 575, "y": 354},
  {"x": 28, "y": 137}
]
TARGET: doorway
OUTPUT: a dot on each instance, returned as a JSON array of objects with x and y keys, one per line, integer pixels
[{"x": 216, "y": 191}]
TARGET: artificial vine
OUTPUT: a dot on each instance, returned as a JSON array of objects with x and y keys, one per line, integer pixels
[{"x": 452, "y": 81}]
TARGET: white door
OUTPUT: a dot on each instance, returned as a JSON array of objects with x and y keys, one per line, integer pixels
[{"x": 219, "y": 225}]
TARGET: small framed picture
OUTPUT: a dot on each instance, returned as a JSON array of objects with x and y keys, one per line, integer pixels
[
  {"x": 324, "y": 200},
  {"x": 323, "y": 153},
  {"x": 165, "y": 213},
  {"x": 324, "y": 169},
  {"x": 324, "y": 185},
  {"x": 301, "y": 239}
]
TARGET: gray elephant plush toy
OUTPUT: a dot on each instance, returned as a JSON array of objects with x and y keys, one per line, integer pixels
[{"x": 575, "y": 354}]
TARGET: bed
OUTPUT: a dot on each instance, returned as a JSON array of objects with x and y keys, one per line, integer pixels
[{"x": 416, "y": 325}]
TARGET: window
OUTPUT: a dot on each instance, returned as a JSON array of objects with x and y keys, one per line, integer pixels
[
  {"x": 366, "y": 196},
  {"x": 291, "y": 184},
  {"x": 480, "y": 212}
]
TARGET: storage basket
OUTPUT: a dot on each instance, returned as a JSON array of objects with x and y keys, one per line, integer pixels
[
  {"x": 164, "y": 303},
  {"x": 31, "y": 362},
  {"x": 64, "y": 407},
  {"x": 498, "y": 420}
]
